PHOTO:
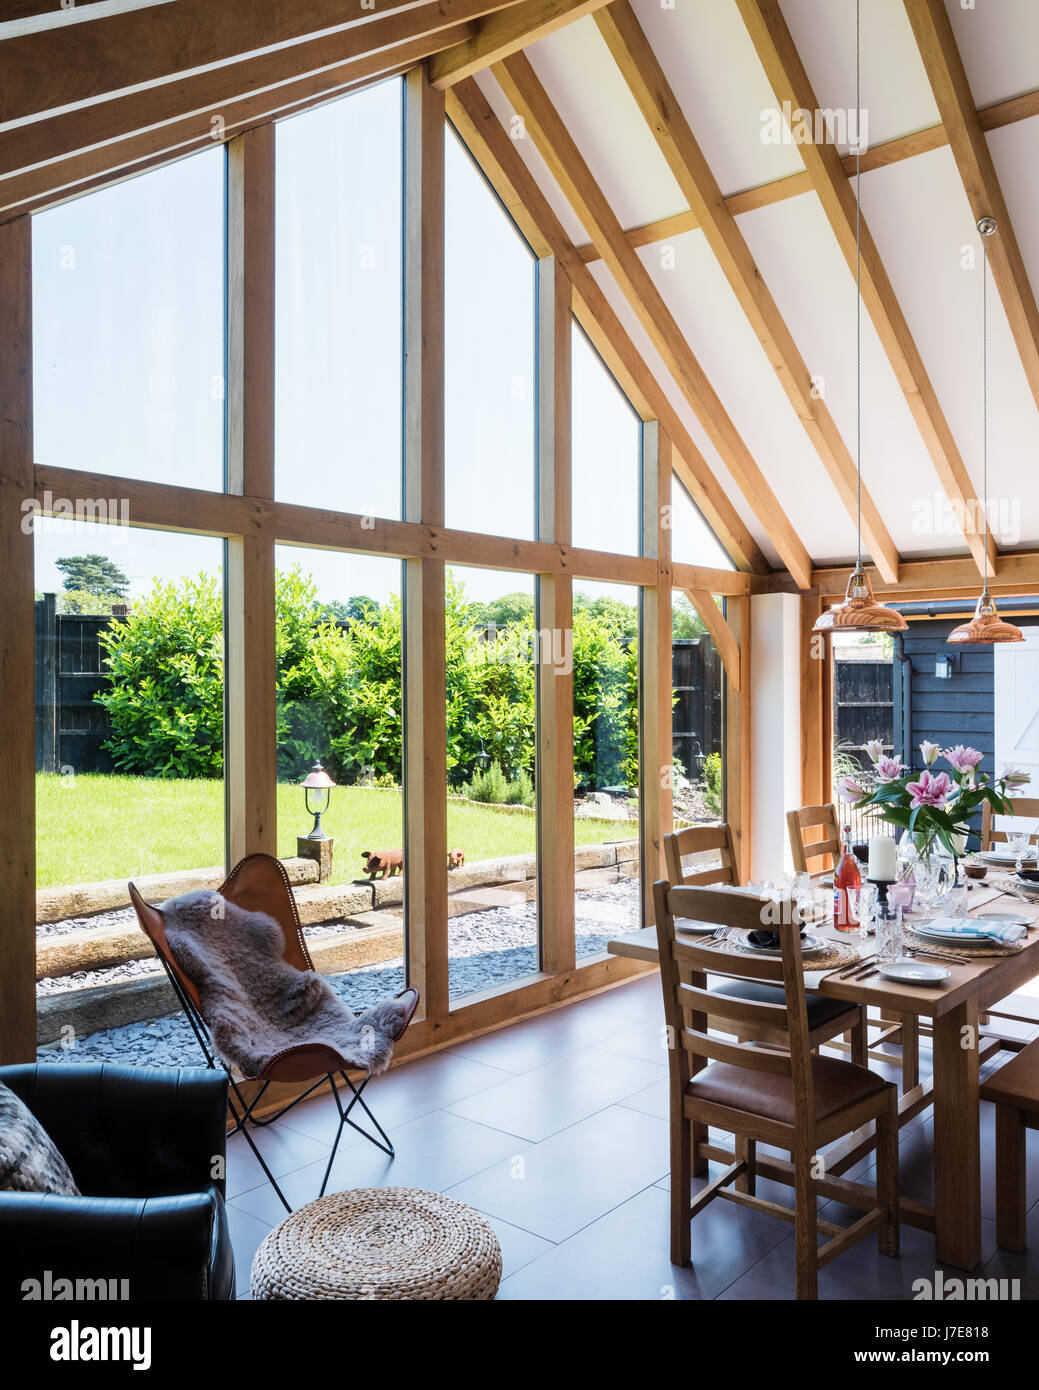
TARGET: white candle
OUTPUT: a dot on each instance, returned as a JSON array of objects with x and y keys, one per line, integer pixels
[{"x": 881, "y": 867}]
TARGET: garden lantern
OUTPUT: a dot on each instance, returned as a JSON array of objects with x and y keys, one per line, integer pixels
[
  {"x": 317, "y": 781},
  {"x": 483, "y": 757}
]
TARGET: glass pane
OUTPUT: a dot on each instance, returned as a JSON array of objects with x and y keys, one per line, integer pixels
[
  {"x": 338, "y": 622},
  {"x": 607, "y": 437},
  {"x": 489, "y": 312},
  {"x": 491, "y": 743},
  {"x": 130, "y": 777},
  {"x": 698, "y": 723},
  {"x": 339, "y": 346},
  {"x": 692, "y": 540},
  {"x": 128, "y": 327},
  {"x": 606, "y": 762}
]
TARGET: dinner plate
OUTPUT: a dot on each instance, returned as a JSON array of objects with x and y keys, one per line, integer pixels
[
  {"x": 924, "y": 929},
  {"x": 914, "y": 972},
  {"x": 1002, "y": 856},
  {"x": 696, "y": 928},
  {"x": 810, "y": 945},
  {"x": 1005, "y": 919}
]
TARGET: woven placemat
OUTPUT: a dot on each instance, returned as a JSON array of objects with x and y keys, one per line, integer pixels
[
  {"x": 379, "y": 1243},
  {"x": 837, "y": 952},
  {"x": 916, "y": 942}
]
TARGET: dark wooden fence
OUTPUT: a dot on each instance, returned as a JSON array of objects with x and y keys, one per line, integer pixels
[
  {"x": 863, "y": 704},
  {"x": 698, "y": 678},
  {"x": 70, "y": 724}
]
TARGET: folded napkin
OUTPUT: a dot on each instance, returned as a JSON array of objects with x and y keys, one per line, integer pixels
[{"x": 1004, "y": 932}]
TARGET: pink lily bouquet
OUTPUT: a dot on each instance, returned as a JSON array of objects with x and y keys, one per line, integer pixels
[{"x": 932, "y": 805}]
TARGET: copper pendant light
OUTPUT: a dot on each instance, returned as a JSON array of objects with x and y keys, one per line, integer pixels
[
  {"x": 986, "y": 625},
  {"x": 860, "y": 611}
]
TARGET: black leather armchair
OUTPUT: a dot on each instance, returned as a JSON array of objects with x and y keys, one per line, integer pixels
[{"x": 146, "y": 1146}]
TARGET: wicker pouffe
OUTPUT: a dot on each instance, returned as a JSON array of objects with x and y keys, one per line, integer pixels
[{"x": 379, "y": 1243}]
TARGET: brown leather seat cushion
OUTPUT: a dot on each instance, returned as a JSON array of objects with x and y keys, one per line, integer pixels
[
  {"x": 836, "y": 1084},
  {"x": 1017, "y": 1081}
]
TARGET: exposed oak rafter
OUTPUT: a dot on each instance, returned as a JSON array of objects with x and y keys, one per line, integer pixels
[
  {"x": 786, "y": 73},
  {"x": 645, "y": 77},
  {"x": 543, "y": 123},
  {"x": 937, "y": 45},
  {"x": 89, "y": 58},
  {"x": 472, "y": 116},
  {"x": 501, "y": 34},
  {"x": 763, "y": 195}
]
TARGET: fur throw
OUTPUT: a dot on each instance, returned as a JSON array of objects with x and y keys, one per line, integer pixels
[{"x": 256, "y": 1004}]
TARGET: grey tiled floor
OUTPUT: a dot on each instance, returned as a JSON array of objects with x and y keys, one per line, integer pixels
[{"x": 556, "y": 1129}]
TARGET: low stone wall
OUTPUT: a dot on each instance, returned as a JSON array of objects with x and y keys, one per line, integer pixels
[
  {"x": 83, "y": 899},
  {"x": 374, "y": 911}
]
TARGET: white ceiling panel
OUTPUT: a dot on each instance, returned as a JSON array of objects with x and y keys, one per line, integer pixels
[
  {"x": 709, "y": 315},
  {"x": 896, "y": 96},
  {"x": 999, "y": 44},
  {"x": 709, "y": 60},
  {"x": 685, "y": 412},
  {"x": 924, "y": 228},
  {"x": 800, "y": 261},
  {"x": 587, "y": 89},
  {"x": 1015, "y": 153}
]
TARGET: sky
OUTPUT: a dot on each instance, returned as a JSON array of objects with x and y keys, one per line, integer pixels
[{"x": 129, "y": 356}]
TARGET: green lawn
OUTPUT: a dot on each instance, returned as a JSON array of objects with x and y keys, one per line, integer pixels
[{"x": 96, "y": 826}]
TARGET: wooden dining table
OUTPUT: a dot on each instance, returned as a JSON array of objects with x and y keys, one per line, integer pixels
[{"x": 960, "y": 1047}]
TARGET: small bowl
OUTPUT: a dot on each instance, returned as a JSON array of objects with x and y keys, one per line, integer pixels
[{"x": 975, "y": 870}]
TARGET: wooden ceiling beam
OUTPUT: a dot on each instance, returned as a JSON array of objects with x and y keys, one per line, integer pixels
[
  {"x": 25, "y": 192},
  {"x": 656, "y": 100},
  {"x": 89, "y": 58},
  {"x": 507, "y": 32},
  {"x": 544, "y": 125},
  {"x": 315, "y": 62},
  {"x": 763, "y": 195},
  {"x": 789, "y": 80},
  {"x": 948, "y": 78},
  {"x": 951, "y": 576},
  {"x": 490, "y": 145}
]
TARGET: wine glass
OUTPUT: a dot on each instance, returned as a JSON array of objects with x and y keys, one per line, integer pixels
[{"x": 1018, "y": 842}]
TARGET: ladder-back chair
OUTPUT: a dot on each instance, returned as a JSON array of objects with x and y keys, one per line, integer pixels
[{"x": 778, "y": 1095}]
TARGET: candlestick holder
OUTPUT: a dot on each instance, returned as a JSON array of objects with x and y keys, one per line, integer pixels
[{"x": 882, "y": 885}]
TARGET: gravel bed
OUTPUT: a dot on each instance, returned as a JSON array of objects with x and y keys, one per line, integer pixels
[
  {"x": 118, "y": 917},
  {"x": 487, "y": 948}
]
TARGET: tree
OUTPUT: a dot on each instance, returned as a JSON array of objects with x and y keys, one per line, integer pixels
[
  {"x": 504, "y": 611},
  {"x": 685, "y": 621},
  {"x": 93, "y": 574}
]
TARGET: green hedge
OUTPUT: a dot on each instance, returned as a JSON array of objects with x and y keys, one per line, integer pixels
[{"x": 338, "y": 688}]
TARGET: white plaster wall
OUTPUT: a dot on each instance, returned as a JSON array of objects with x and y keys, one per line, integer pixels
[{"x": 775, "y": 665}]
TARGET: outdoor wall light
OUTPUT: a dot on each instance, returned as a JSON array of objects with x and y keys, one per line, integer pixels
[
  {"x": 943, "y": 667},
  {"x": 317, "y": 781}
]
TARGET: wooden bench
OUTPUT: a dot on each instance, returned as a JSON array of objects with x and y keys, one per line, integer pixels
[{"x": 1014, "y": 1090}]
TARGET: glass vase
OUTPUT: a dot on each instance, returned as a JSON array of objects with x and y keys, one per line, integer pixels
[{"x": 923, "y": 860}]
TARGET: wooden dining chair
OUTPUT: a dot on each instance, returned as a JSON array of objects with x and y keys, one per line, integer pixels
[
  {"x": 828, "y": 1019},
  {"x": 777, "y": 1094},
  {"x": 701, "y": 839},
  {"x": 1025, "y": 808},
  {"x": 825, "y": 845}
]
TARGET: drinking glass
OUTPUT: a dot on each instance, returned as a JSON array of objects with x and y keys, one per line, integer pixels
[
  {"x": 954, "y": 904},
  {"x": 868, "y": 898},
  {"x": 1018, "y": 842},
  {"x": 889, "y": 935}
]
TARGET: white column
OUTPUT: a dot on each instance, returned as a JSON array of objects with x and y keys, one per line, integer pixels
[{"x": 775, "y": 668}]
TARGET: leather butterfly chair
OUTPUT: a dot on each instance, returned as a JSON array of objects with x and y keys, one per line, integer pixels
[{"x": 259, "y": 883}]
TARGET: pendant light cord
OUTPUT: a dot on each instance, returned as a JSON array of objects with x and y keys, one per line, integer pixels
[
  {"x": 858, "y": 291},
  {"x": 984, "y": 396}
]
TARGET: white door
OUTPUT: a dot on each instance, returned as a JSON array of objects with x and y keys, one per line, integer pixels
[{"x": 1016, "y": 697}]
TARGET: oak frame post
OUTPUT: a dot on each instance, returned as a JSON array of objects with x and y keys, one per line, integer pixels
[
  {"x": 250, "y": 738},
  {"x": 656, "y": 755},
  {"x": 425, "y": 722},
  {"x": 17, "y": 699},
  {"x": 555, "y": 620}
]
